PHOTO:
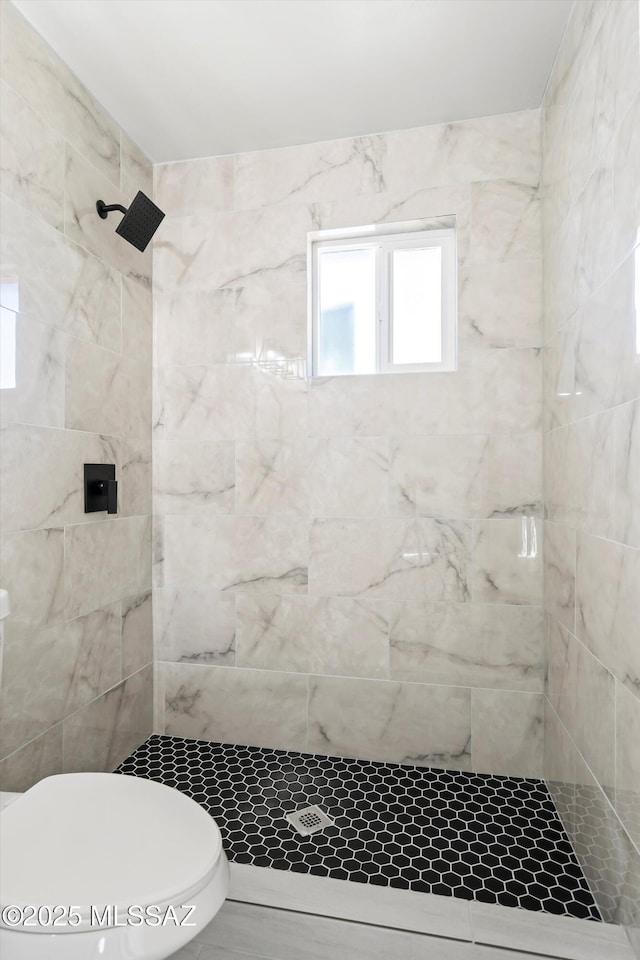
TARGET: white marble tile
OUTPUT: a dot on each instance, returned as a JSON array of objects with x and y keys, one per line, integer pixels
[
  {"x": 137, "y": 633},
  {"x": 350, "y": 406},
  {"x": 593, "y": 105},
  {"x": 558, "y": 185},
  {"x": 102, "y": 734},
  {"x": 50, "y": 671},
  {"x": 136, "y": 170},
  {"x": 562, "y": 670},
  {"x": 38, "y": 395},
  {"x": 583, "y": 25},
  {"x": 104, "y": 561},
  {"x": 26, "y": 501},
  {"x": 615, "y": 62},
  {"x": 466, "y": 476},
  {"x": 184, "y": 188},
  {"x": 507, "y": 561},
  {"x": 272, "y": 478},
  {"x": 499, "y": 391},
  {"x": 257, "y": 707},
  {"x": 626, "y": 191},
  {"x": 106, "y": 392},
  {"x": 560, "y": 573},
  {"x": 487, "y": 148},
  {"x": 59, "y": 283},
  {"x": 193, "y": 252},
  {"x": 37, "y": 74},
  {"x": 505, "y": 221},
  {"x": 310, "y": 172},
  {"x": 579, "y": 468},
  {"x": 596, "y": 231},
  {"x": 505, "y": 390},
  {"x": 198, "y": 402},
  {"x": 627, "y": 473},
  {"x": 230, "y": 401},
  {"x": 193, "y": 478},
  {"x": 559, "y": 377},
  {"x": 248, "y": 554},
  {"x": 31, "y": 159},
  {"x": 137, "y": 320},
  {"x": 38, "y": 759},
  {"x": 134, "y": 488},
  {"x": 608, "y": 606},
  {"x": 606, "y": 363},
  {"x": 319, "y": 635},
  {"x": 271, "y": 322},
  {"x": 267, "y": 242},
  {"x": 339, "y": 477},
  {"x": 31, "y": 569},
  {"x": 434, "y": 205},
  {"x": 560, "y": 755},
  {"x": 194, "y": 624},
  {"x": 594, "y": 730},
  {"x": 390, "y": 559},
  {"x": 507, "y": 732},
  {"x": 627, "y": 788},
  {"x": 500, "y": 305},
  {"x": 589, "y": 277},
  {"x": 158, "y": 696},
  {"x": 560, "y": 292},
  {"x": 157, "y": 550},
  {"x": 474, "y": 645},
  {"x": 194, "y": 326},
  {"x": 348, "y": 477},
  {"x": 396, "y": 722}
]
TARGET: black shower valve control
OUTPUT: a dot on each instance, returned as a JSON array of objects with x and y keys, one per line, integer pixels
[{"x": 100, "y": 488}]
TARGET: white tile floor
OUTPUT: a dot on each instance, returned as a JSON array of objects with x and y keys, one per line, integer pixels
[{"x": 247, "y": 932}]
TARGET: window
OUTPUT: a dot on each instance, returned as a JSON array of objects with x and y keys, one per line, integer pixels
[
  {"x": 382, "y": 303},
  {"x": 8, "y": 310}
]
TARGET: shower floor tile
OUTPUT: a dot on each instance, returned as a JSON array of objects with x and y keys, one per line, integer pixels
[{"x": 486, "y": 838}]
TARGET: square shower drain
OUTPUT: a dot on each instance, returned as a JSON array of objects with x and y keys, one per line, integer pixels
[{"x": 309, "y": 820}]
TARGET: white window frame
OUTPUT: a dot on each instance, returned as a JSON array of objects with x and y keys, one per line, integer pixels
[{"x": 385, "y": 240}]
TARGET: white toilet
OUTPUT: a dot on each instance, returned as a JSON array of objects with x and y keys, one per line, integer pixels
[{"x": 121, "y": 858}]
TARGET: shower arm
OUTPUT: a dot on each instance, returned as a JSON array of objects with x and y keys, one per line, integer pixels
[{"x": 104, "y": 210}]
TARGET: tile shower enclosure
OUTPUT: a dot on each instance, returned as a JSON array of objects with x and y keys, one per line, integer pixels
[
  {"x": 337, "y": 560},
  {"x": 338, "y": 564}
]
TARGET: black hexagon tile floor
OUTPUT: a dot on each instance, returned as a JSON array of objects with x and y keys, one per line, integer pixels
[{"x": 487, "y": 838}]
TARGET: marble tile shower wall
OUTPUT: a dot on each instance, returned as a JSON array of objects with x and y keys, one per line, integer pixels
[
  {"x": 591, "y": 134},
  {"x": 338, "y": 561},
  {"x": 77, "y": 678}
]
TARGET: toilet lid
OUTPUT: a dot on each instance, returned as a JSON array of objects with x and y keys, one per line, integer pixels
[{"x": 94, "y": 839}]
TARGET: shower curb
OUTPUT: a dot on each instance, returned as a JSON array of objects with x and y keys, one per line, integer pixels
[{"x": 483, "y": 923}]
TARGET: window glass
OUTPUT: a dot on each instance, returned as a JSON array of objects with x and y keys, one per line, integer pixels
[
  {"x": 347, "y": 312},
  {"x": 8, "y": 309},
  {"x": 416, "y": 287}
]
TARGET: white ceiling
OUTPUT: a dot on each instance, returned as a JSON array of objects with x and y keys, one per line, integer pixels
[{"x": 194, "y": 78}]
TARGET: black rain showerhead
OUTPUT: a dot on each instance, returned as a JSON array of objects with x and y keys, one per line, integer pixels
[{"x": 140, "y": 221}]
